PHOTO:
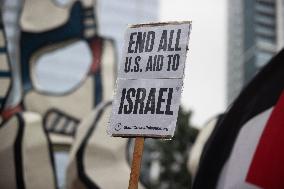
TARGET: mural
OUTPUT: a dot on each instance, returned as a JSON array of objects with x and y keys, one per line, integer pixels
[
  {"x": 25, "y": 150},
  {"x": 5, "y": 71},
  {"x": 80, "y": 64},
  {"x": 67, "y": 74}
]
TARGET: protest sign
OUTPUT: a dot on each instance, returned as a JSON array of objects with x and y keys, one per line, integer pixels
[{"x": 150, "y": 80}]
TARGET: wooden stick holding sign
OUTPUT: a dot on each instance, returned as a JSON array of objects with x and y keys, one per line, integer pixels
[
  {"x": 136, "y": 163},
  {"x": 149, "y": 85}
]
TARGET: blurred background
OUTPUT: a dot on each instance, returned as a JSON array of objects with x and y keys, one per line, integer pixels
[{"x": 229, "y": 43}]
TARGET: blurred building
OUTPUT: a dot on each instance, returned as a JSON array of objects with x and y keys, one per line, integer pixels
[
  {"x": 256, "y": 33},
  {"x": 114, "y": 16}
]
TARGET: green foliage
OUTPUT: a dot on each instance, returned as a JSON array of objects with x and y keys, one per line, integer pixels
[{"x": 172, "y": 155}]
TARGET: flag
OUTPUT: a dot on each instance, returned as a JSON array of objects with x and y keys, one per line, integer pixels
[
  {"x": 246, "y": 149},
  {"x": 202, "y": 137}
]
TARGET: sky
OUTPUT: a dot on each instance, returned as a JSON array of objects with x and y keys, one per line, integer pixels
[{"x": 205, "y": 74}]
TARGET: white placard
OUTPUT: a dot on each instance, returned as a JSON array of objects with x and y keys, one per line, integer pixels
[{"x": 150, "y": 80}]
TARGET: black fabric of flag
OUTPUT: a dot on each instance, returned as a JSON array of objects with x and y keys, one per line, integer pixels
[{"x": 246, "y": 149}]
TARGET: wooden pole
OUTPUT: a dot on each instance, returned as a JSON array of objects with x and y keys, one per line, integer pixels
[{"x": 136, "y": 163}]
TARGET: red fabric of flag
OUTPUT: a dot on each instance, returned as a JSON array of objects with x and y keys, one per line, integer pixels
[{"x": 267, "y": 167}]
